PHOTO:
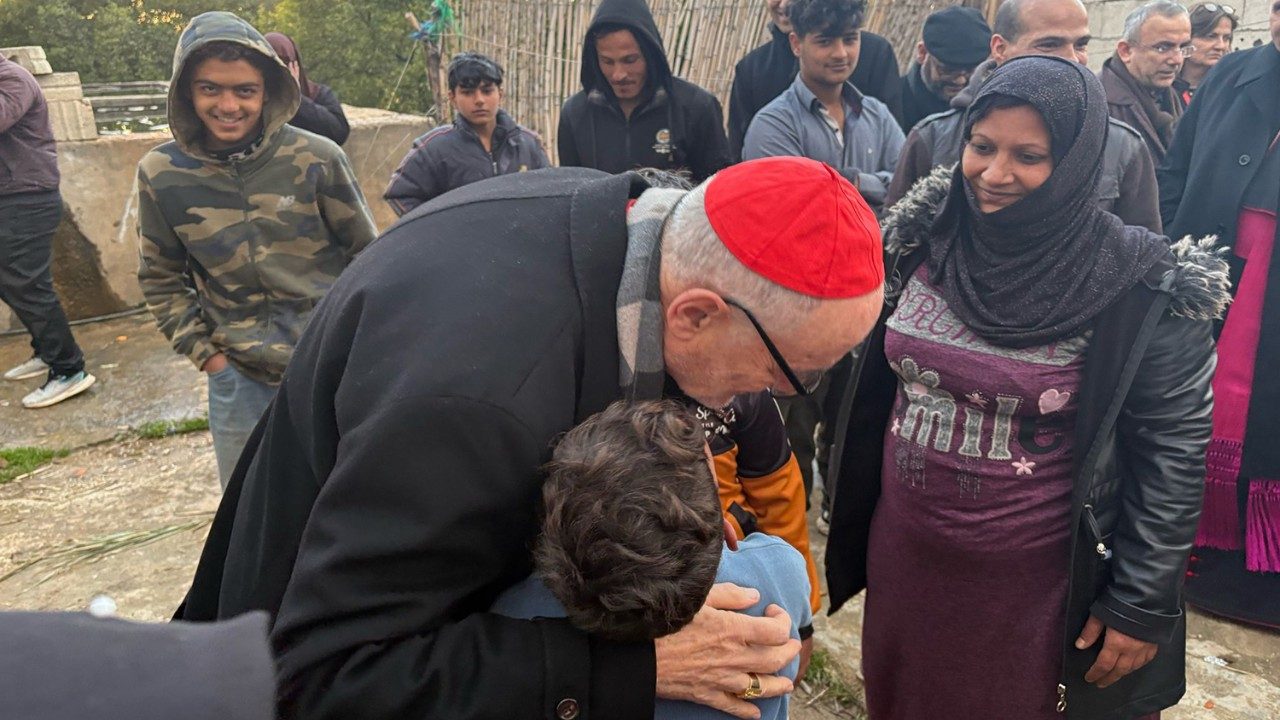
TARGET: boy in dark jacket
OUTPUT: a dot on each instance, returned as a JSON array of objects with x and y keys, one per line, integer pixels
[
  {"x": 483, "y": 141},
  {"x": 632, "y": 112}
]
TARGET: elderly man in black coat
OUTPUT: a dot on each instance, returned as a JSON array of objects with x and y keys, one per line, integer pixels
[{"x": 390, "y": 492}]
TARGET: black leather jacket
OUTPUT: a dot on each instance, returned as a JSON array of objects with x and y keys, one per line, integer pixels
[{"x": 1143, "y": 425}]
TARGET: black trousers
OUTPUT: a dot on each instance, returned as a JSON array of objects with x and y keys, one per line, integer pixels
[{"x": 27, "y": 224}]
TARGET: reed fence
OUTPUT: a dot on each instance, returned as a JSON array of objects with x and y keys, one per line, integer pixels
[{"x": 539, "y": 43}]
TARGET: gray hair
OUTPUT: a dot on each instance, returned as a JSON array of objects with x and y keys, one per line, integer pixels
[
  {"x": 695, "y": 257},
  {"x": 1156, "y": 8}
]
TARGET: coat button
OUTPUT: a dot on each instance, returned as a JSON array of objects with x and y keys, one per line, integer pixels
[
  {"x": 1244, "y": 160},
  {"x": 567, "y": 709}
]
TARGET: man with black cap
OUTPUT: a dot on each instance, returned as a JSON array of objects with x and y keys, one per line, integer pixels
[
  {"x": 391, "y": 491},
  {"x": 632, "y": 112},
  {"x": 955, "y": 40}
]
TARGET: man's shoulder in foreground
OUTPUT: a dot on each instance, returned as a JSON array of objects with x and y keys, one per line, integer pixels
[
  {"x": 168, "y": 156},
  {"x": 876, "y": 108},
  {"x": 939, "y": 121},
  {"x": 1120, "y": 129},
  {"x": 773, "y": 567},
  {"x": 688, "y": 92},
  {"x": 543, "y": 183}
]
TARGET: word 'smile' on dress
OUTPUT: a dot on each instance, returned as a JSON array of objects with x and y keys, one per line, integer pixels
[{"x": 968, "y": 558}]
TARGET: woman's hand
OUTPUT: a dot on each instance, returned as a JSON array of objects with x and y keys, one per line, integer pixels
[
  {"x": 1120, "y": 654},
  {"x": 708, "y": 661}
]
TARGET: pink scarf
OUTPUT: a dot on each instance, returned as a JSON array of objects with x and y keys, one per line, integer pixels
[{"x": 1237, "y": 356}]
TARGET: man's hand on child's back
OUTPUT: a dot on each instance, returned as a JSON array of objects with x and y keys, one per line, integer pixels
[{"x": 709, "y": 660}]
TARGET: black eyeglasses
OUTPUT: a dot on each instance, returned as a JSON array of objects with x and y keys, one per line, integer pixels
[{"x": 804, "y": 387}]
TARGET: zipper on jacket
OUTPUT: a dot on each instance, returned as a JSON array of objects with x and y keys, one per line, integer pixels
[
  {"x": 236, "y": 171},
  {"x": 1142, "y": 341},
  {"x": 626, "y": 134},
  {"x": 1101, "y": 548}
]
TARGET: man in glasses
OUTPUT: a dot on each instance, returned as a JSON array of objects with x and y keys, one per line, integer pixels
[
  {"x": 954, "y": 41},
  {"x": 391, "y": 491},
  {"x": 1139, "y": 77}
]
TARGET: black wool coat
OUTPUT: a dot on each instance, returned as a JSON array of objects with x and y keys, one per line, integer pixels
[
  {"x": 391, "y": 490},
  {"x": 1217, "y": 151}
]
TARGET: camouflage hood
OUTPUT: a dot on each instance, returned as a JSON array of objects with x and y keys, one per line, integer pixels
[{"x": 283, "y": 96}]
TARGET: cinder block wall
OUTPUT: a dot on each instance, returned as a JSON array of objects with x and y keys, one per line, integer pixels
[{"x": 1106, "y": 20}]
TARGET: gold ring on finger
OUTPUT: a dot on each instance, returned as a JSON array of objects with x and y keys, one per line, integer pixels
[{"x": 753, "y": 690}]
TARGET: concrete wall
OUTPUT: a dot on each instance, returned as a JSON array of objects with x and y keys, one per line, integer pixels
[
  {"x": 96, "y": 248},
  {"x": 1106, "y": 20}
]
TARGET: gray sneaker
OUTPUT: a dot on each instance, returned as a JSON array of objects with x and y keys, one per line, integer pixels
[
  {"x": 58, "y": 389},
  {"x": 34, "y": 367}
]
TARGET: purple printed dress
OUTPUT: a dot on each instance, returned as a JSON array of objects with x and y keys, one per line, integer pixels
[{"x": 969, "y": 550}]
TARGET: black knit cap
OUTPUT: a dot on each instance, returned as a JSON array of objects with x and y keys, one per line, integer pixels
[{"x": 957, "y": 36}]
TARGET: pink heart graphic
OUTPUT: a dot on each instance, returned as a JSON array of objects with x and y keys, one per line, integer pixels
[{"x": 1051, "y": 401}]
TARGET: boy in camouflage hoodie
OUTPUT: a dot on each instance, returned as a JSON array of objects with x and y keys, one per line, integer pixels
[{"x": 245, "y": 221}]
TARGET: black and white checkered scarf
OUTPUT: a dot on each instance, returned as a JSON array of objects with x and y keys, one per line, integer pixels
[{"x": 641, "y": 371}]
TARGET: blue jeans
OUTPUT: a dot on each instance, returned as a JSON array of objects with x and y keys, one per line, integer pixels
[{"x": 236, "y": 403}]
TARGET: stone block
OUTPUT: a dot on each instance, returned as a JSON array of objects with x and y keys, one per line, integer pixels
[
  {"x": 59, "y": 80},
  {"x": 30, "y": 57},
  {"x": 59, "y": 94},
  {"x": 72, "y": 120}
]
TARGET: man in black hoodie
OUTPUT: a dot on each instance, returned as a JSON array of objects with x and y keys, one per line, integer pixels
[
  {"x": 632, "y": 112},
  {"x": 770, "y": 69}
]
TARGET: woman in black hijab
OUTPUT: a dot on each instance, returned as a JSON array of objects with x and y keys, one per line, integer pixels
[
  {"x": 320, "y": 111},
  {"x": 1023, "y": 457}
]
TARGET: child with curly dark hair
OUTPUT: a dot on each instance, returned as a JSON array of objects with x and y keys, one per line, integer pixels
[{"x": 633, "y": 538}]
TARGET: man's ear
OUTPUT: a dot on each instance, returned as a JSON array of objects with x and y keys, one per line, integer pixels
[
  {"x": 795, "y": 43},
  {"x": 921, "y": 52},
  {"x": 1124, "y": 51},
  {"x": 693, "y": 311},
  {"x": 999, "y": 46}
]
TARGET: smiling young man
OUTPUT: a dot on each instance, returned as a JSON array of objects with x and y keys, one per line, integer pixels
[
  {"x": 483, "y": 141},
  {"x": 632, "y": 112},
  {"x": 1139, "y": 77},
  {"x": 765, "y": 72},
  {"x": 244, "y": 221},
  {"x": 822, "y": 116}
]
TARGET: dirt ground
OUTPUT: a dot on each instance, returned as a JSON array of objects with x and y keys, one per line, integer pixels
[{"x": 126, "y": 517}]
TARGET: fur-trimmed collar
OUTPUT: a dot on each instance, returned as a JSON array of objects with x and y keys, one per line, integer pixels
[{"x": 1200, "y": 287}]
